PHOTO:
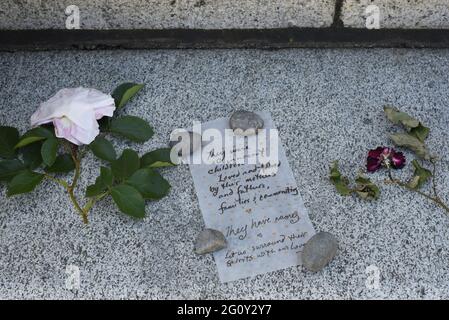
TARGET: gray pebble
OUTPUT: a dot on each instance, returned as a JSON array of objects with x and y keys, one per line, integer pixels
[
  {"x": 319, "y": 251},
  {"x": 186, "y": 140},
  {"x": 245, "y": 123},
  {"x": 210, "y": 240}
]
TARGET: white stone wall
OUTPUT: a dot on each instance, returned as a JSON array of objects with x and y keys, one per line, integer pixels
[
  {"x": 220, "y": 14},
  {"x": 168, "y": 14},
  {"x": 410, "y": 14}
]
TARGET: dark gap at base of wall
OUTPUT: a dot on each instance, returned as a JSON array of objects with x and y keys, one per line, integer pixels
[{"x": 15, "y": 40}]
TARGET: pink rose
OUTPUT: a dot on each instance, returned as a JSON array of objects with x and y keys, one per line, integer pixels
[{"x": 74, "y": 113}]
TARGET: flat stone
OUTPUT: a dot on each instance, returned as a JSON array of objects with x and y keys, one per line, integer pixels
[
  {"x": 170, "y": 14},
  {"x": 319, "y": 251},
  {"x": 210, "y": 240},
  {"x": 245, "y": 123},
  {"x": 187, "y": 141},
  {"x": 402, "y": 14}
]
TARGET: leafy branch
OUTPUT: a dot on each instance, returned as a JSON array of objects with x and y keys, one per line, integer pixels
[
  {"x": 130, "y": 179},
  {"x": 364, "y": 188},
  {"x": 413, "y": 139}
]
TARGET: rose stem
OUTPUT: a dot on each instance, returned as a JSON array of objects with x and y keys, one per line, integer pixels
[
  {"x": 434, "y": 183},
  {"x": 435, "y": 199},
  {"x": 71, "y": 188}
]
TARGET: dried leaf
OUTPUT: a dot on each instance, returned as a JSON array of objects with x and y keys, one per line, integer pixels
[
  {"x": 420, "y": 132},
  {"x": 415, "y": 128},
  {"x": 398, "y": 117},
  {"x": 366, "y": 189},
  {"x": 408, "y": 141},
  {"x": 340, "y": 182},
  {"x": 420, "y": 176}
]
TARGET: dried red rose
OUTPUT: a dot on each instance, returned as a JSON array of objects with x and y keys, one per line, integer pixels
[{"x": 384, "y": 157}]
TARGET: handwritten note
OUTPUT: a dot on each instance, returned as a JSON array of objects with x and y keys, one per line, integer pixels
[{"x": 262, "y": 216}]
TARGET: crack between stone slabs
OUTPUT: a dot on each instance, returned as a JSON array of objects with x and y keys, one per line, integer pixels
[{"x": 337, "y": 22}]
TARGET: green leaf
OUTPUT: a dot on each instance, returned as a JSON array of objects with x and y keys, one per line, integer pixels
[
  {"x": 124, "y": 92},
  {"x": 63, "y": 163},
  {"x": 126, "y": 165},
  {"x": 149, "y": 183},
  {"x": 33, "y": 135},
  {"x": 104, "y": 124},
  {"x": 24, "y": 182},
  {"x": 31, "y": 155},
  {"x": 95, "y": 189},
  {"x": 129, "y": 200},
  {"x": 157, "y": 159},
  {"x": 398, "y": 117},
  {"x": 133, "y": 128},
  {"x": 408, "y": 141},
  {"x": 420, "y": 176},
  {"x": 49, "y": 150},
  {"x": 340, "y": 182},
  {"x": 101, "y": 183},
  {"x": 106, "y": 176},
  {"x": 10, "y": 168},
  {"x": 28, "y": 140},
  {"x": 366, "y": 189},
  {"x": 103, "y": 149},
  {"x": 9, "y": 137}
]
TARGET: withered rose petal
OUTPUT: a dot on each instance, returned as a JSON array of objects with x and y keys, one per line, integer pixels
[
  {"x": 386, "y": 151},
  {"x": 398, "y": 160},
  {"x": 375, "y": 153},
  {"x": 372, "y": 164}
]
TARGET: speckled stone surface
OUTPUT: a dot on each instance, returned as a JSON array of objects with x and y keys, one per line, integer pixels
[
  {"x": 402, "y": 14},
  {"x": 168, "y": 14},
  {"x": 327, "y": 105}
]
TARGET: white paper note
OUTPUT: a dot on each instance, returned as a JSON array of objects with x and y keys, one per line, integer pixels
[{"x": 262, "y": 217}]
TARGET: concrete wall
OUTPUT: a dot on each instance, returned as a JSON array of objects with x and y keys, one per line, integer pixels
[
  {"x": 410, "y": 14},
  {"x": 168, "y": 14},
  {"x": 220, "y": 14}
]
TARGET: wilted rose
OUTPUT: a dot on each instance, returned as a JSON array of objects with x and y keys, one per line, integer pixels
[
  {"x": 74, "y": 113},
  {"x": 384, "y": 157}
]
